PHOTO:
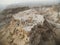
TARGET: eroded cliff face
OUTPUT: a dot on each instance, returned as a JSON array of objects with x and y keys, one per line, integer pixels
[
  {"x": 27, "y": 28},
  {"x": 14, "y": 34}
]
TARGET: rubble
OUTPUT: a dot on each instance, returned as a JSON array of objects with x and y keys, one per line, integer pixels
[{"x": 13, "y": 34}]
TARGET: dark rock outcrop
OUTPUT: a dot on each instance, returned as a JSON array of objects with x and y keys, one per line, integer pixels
[{"x": 42, "y": 35}]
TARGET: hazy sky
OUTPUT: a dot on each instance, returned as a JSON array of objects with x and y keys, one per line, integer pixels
[{"x": 8, "y": 2}]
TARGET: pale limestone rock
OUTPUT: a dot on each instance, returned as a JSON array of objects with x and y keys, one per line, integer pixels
[{"x": 28, "y": 19}]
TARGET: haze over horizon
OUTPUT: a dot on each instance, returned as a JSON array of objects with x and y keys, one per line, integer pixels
[{"x": 4, "y": 3}]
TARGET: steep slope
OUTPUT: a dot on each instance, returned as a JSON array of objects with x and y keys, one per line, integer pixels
[{"x": 16, "y": 32}]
